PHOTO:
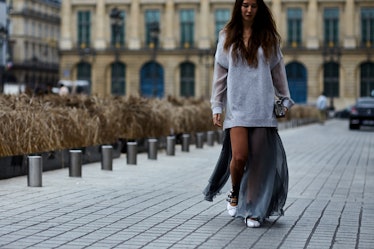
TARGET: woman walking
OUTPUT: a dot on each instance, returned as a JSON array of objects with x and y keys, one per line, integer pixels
[{"x": 248, "y": 73}]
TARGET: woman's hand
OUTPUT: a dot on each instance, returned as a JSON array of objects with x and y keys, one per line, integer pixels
[{"x": 217, "y": 120}]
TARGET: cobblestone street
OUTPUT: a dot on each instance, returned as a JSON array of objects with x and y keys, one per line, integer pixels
[{"x": 159, "y": 203}]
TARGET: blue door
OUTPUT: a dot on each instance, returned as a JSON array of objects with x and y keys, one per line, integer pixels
[
  {"x": 152, "y": 80},
  {"x": 296, "y": 76}
]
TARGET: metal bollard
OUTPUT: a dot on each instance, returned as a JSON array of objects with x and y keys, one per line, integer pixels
[
  {"x": 186, "y": 142},
  {"x": 199, "y": 140},
  {"x": 131, "y": 153},
  {"x": 170, "y": 145},
  {"x": 220, "y": 136},
  {"x": 210, "y": 139},
  {"x": 75, "y": 167},
  {"x": 107, "y": 157},
  {"x": 152, "y": 148},
  {"x": 34, "y": 177}
]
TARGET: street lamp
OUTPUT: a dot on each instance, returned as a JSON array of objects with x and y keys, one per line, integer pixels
[
  {"x": 116, "y": 21},
  {"x": 34, "y": 61},
  {"x": 154, "y": 34},
  {"x": 3, "y": 39},
  {"x": 331, "y": 54}
]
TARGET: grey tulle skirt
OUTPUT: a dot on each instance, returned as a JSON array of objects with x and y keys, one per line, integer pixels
[{"x": 264, "y": 186}]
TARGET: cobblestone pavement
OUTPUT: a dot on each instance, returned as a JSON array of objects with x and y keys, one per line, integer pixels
[{"x": 159, "y": 204}]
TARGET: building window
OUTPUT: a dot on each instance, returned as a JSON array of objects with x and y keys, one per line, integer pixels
[
  {"x": 222, "y": 16},
  {"x": 46, "y": 31},
  {"x": 152, "y": 80},
  {"x": 84, "y": 74},
  {"x": 26, "y": 24},
  {"x": 294, "y": 21},
  {"x": 367, "y": 79},
  {"x": 118, "y": 31},
  {"x": 40, "y": 29},
  {"x": 118, "y": 79},
  {"x": 152, "y": 21},
  {"x": 33, "y": 33},
  {"x": 331, "y": 27},
  {"x": 297, "y": 82},
  {"x": 367, "y": 27},
  {"x": 187, "y": 23},
  {"x": 84, "y": 29},
  {"x": 331, "y": 79},
  {"x": 27, "y": 56},
  {"x": 187, "y": 79}
]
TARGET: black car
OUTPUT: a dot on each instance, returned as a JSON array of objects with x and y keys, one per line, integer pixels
[{"x": 362, "y": 113}]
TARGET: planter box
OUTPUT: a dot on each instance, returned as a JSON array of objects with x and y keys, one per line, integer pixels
[{"x": 13, "y": 166}]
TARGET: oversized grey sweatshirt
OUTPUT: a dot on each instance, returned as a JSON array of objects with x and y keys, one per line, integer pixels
[{"x": 245, "y": 93}]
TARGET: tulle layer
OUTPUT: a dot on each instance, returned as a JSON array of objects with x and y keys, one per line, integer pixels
[{"x": 264, "y": 186}]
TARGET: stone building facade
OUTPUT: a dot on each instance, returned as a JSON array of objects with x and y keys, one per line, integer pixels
[
  {"x": 157, "y": 48},
  {"x": 33, "y": 43},
  {"x": 4, "y": 25}
]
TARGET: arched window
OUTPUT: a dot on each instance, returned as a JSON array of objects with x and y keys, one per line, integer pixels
[
  {"x": 118, "y": 78},
  {"x": 152, "y": 80},
  {"x": 187, "y": 79},
  {"x": 367, "y": 79},
  {"x": 297, "y": 82},
  {"x": 331, "y": 79}
]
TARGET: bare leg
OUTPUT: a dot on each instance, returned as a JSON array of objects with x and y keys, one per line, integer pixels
[
  {"x": 239, "y": 148},
  {"x": 257, "y": 145}
]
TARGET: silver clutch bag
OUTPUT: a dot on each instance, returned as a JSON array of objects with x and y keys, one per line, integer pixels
[{"x": 279, "y": 109}]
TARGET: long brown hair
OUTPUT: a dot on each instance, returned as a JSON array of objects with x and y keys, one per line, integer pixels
[{"x": 264, "y": 34}]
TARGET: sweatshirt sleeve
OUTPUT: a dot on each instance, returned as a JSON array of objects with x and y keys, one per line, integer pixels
[
  {"x": 221, "y": 56},
  {"x": 279, "y": 76},
  {"x": 219, "y": 86}
]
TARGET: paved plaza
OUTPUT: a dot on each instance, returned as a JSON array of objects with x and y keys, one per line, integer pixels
[{"x": 159, "y": 203}]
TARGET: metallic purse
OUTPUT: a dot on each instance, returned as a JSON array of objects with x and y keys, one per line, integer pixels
[{"x": 279, "y": 109}]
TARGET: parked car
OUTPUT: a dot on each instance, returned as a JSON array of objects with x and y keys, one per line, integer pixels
[
  {"x": 344, "y": 113},
  {"x": 362, "y": 113}
]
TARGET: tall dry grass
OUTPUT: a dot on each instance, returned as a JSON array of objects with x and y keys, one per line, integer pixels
[{"x": 47, "y": 123}]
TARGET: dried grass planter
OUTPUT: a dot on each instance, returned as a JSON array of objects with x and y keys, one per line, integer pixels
[
  {"x": 37, "y": 128},
  {"x": 31, "y": 125},
  {"x": 190, "y": 116},
  {"x": 50, "y": 123}
]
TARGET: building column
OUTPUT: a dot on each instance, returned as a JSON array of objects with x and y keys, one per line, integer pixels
[
  {"x": 134, "y": 42},
  {"x": 99, "y": 42},
  {"x": 169, "y": 42},
  {"x": 66, "y": 42},
  {"x": 99, "y": 82},
  {"x": 312, "y": 38},
  {"x": 349, "y": 38},
  {"x": 203, "y": 42},
  {"x": 276, "y": 9}
]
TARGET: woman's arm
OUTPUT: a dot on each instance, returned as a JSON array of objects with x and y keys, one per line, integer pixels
[{"x": 219, "y": 88}]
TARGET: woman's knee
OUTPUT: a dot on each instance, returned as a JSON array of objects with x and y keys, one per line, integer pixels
[{"x": 239, "y": 159}]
